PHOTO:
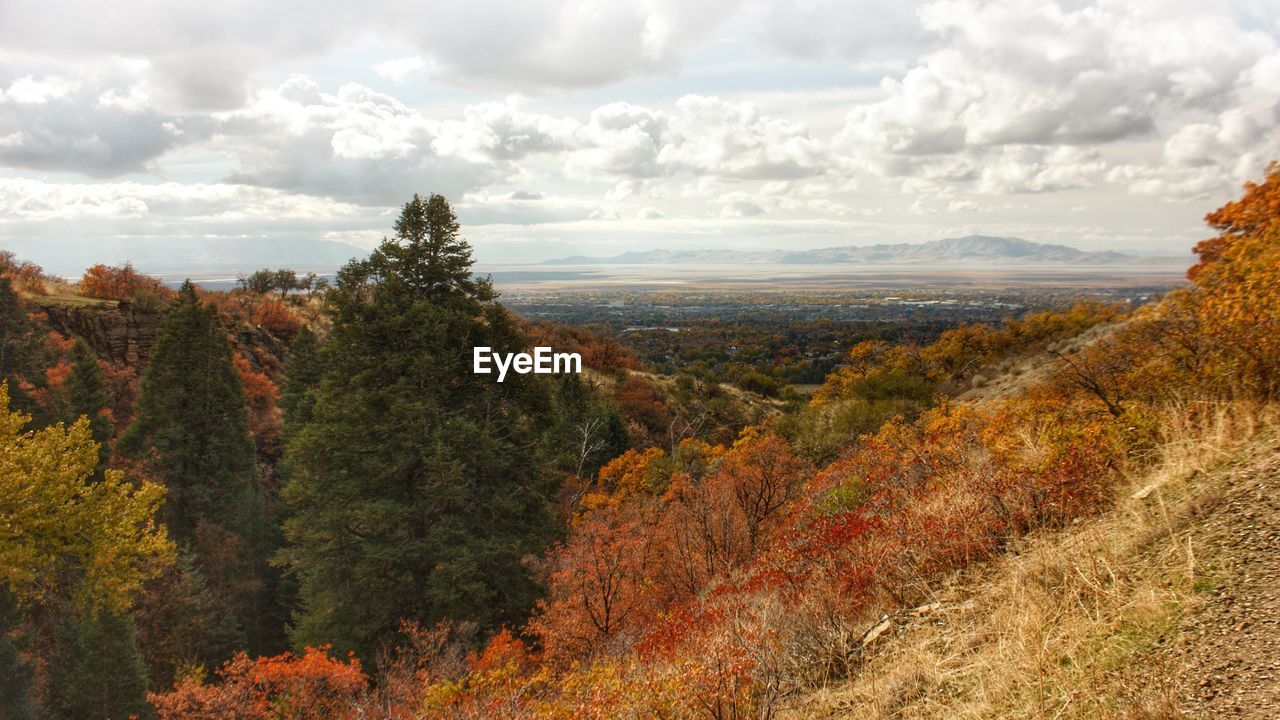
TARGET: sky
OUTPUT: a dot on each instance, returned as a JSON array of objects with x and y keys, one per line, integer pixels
[{"x": 171, "y": 132}]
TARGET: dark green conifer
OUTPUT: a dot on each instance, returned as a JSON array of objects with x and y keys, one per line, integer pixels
[
  {"x": 191, "y": 430},
  {"x": 88, "y": 396},
  {"x": 191, "y": 426},
  {"x": 417, "y": 488},
  {"x": 94, "y": 669},
  {"x": 21, "y": 355}
]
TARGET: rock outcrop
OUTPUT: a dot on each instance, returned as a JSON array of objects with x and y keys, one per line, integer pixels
[
  {"x": 117, "y": 332},
  {"x": 123, "y": 335}
]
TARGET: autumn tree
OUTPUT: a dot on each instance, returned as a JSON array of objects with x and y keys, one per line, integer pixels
[
  {"x": 1236, "y": 283},
  {"x": 417, "y": 487},
  {"x": 81, "y": 546},
  {"x": 125, "y": 283},
  {"x": 310, "y": 686},
  {"x": 601, "y": 582}
]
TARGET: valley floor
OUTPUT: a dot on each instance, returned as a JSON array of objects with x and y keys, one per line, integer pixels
[{"x": 1166, "y": 607}]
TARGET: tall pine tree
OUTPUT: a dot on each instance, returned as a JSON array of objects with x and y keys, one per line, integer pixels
[
  {"x": 87, "y": 396},
  {"x": 191, "y": 425},
  {"x": 417, "y": 488},
  {"x": 191, "y": 431},
  {"x": 22, "y": 358}
]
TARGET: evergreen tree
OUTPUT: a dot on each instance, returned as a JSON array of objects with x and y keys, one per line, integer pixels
[
  {"x": 417, "y": 488},
  {"x": 588, "y": 433},
  {"x": 16, "y": 672},
  {"x": 93, "y": 664},
  {"x": 191, "y": 426},
  {"x": 20, "y": 350},
  {"x": 183, "y": 624},
  {"x": 191, "y": 430},
  {"x": 302, "y": 371},
  {"x": 87, "y": 395},
  {"x": 94, "y": 669}
]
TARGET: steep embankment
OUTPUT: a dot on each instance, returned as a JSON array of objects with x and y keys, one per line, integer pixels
[
  {"x": 1166, "y": 606},
  {"x": 123, "y": 335}
]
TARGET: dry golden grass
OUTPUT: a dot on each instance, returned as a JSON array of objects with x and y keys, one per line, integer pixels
[{"x": 1063, "y": 625}]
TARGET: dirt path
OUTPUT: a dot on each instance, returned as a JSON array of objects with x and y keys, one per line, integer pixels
[{"x": 1226, "y": 660}]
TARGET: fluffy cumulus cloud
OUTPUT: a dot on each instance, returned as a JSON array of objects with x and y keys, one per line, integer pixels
[
  {"x": 1023, "y": 95},
  {"x": 355, "y": 145},
  {"x": 364, "y": 145},
  {"x": 699, "y": 135},
  {"x": 100, "y": 123}
]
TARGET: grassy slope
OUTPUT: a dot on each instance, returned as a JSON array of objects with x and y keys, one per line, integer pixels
[{"x": 1089, "y": 622}]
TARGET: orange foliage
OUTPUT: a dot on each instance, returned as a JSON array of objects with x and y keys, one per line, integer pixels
[
  {"x": 599, "y": 352},
  {"x": 631, "y": 473},
  {"x": 1237, "y": 288},
  {"x": 1252, "y": 216},
  {"x": 276, "y": 318},
  {"x": 262, "y": 397},
  {"x": 124, "y": 283},
  {"x": 26, "y": 276},
  {"x": 312, "y": 686},
  {"x": 601, "y": 583},
  {"x": 960, "y": 352}
]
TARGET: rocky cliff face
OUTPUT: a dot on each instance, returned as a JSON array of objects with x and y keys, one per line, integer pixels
[
  {"x": 124, "y": 335},
  {"x": 115, "y": 331}
]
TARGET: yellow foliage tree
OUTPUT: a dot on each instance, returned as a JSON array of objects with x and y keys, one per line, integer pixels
[
  {"x": 63, "y": 532},
  {"x": 1237, "y": 285}
]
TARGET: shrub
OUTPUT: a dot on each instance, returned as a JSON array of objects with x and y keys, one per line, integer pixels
[{"x": 108, "y": 282}]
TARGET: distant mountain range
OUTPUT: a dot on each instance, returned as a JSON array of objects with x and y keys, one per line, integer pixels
[{"x": 971, "y": 250}]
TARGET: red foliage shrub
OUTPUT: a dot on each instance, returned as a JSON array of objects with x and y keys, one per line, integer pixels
[
  {"x": 312, "y": 686},
  {"x": 124, "y": 283},
  {"x": 276, "y": 318},
  {"x": 639, "y": 403},
  {"x": 263, "y": 398}
]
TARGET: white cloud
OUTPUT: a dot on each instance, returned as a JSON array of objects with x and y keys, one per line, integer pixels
[
  {"x": 356, "y": 144},
  {"x": 397, "y": 71},
  {"x": 503, "y": 131},
  {"x": 205, "y": 53},
  {"x": 101, "y": 125},
  {"x": 30, "y": 91},
  {"x": 25, "y": 199},
  {"x": 1031, "y": 96}
]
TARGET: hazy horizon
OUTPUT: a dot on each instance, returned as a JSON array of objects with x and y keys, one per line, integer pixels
[{"x": 229, "y": 264}]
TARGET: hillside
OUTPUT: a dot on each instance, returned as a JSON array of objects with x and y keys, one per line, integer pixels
[
  {"x": 970, "y": 250},
  {"x": 1163, "y": 607},
  {"x": 1068, "y": 513}
]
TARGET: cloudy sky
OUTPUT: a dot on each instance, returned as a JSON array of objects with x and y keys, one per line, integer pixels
[{"x": 167, "y": 131}]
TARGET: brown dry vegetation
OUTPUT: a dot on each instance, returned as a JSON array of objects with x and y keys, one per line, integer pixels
[{"x": 1086, "y": 622}]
